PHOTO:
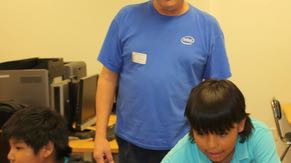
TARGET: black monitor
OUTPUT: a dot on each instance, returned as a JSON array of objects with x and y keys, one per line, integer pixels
[{"x": 85, "y": 110}]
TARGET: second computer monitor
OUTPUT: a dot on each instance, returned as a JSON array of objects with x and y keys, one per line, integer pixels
[{"x": 86, "y": 102}]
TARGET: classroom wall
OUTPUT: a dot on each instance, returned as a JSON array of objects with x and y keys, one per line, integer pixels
[
  {"x": 71, "y": 29},
  {"x": 258, "y": 38},
  {"x": 257, "y": 35}
]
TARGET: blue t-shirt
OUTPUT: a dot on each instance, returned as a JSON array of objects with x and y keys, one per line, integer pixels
[
  {"x": 258, "y": 148},
  {"x": 159, "y": 60}
]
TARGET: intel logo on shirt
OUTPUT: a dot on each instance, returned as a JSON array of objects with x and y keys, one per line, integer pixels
[{"x": 187, "y": 40}]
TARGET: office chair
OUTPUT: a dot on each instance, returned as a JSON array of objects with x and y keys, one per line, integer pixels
[
  {"x": 279, "y": 118},
  {"x": 4, "y": 149}
]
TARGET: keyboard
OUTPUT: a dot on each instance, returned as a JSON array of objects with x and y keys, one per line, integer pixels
[{"x": 91, "y": 133}]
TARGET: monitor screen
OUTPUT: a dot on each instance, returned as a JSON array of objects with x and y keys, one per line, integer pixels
[{"x": 85, "y": 104}]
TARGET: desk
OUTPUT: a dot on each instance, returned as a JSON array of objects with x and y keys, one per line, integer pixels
[
  {"x": 287, "y": 111},
  {"x": 86, "y": 146}
]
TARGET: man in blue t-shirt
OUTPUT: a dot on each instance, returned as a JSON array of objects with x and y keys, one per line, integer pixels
[
  {"x": 221, "y": 131},
  {"x": 155, "y": 52}
]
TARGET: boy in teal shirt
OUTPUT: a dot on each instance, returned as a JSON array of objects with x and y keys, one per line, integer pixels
[{"x": 221, "y": 131}]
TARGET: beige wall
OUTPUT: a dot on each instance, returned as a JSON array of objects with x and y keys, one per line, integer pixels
[
  {"x": 71, "y": 29},
  {"x": 258, "y": 39}
]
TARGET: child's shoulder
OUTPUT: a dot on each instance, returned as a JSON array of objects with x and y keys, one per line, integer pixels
[
  {"x": 259, "y": 125},
  {"x": 182, "y": 152},
  {"x": 261, "y": 132}
]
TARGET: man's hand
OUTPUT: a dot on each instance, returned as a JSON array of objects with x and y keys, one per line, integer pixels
[{"x": 102, "y": 152}]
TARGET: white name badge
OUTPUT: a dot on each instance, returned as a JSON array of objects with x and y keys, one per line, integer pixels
[{"x": 140, "y": 58}]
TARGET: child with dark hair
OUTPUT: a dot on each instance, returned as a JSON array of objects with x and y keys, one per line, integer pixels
[
  {"x": 220, "y": 129},
  {"x": 37, "y": 135}
]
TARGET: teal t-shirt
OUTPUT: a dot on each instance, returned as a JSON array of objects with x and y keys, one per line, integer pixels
[
  {"x": 258, "y": 148},
  {"x": 66, "y": 160}
]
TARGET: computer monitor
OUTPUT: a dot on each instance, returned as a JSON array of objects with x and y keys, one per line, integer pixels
[
  {"x": 28, "y": 86},
  {"x": 85, "y": 112}
]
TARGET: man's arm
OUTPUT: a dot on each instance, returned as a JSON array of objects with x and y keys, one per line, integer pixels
[{"x": 104, "y": 100}]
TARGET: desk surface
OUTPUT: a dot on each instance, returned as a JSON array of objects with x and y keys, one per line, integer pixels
[
  {"x": 87, "y": 145},
  {"x": 287, "y": 111}
]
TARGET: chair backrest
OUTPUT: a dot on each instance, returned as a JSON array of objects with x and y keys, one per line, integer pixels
[
  {"x": 280, "y": 120},
  {"x": 4, "y": 149},
  {"x": 277, "y": 113},
  {"x": 8, "y": 108}
]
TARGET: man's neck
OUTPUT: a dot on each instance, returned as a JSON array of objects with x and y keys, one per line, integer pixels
[{"x": 175, "y": 12}]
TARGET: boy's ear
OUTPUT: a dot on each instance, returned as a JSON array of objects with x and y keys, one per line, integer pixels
[
  {"x": 47, "y": 150},
  {"x": 241, "y": 125}
]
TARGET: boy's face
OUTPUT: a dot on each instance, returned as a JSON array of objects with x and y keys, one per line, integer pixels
[
  {"x": 219, "y": 148},
  {"x": 20, "y": 152}
]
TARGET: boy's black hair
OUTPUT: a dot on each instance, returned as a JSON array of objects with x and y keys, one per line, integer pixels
[
  {"x": 37, "y": 127},
  {"x": 214, "y": 106}
]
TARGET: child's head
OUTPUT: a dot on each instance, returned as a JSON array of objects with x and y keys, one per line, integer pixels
[
  {"x": 216, "y": 113},
  {"x": 36, "y": 135}
]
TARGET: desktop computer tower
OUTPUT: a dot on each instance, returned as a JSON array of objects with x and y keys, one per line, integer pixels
[
  {"x": 74, "y": 70},
  {"x": 60, "y": 98}
]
